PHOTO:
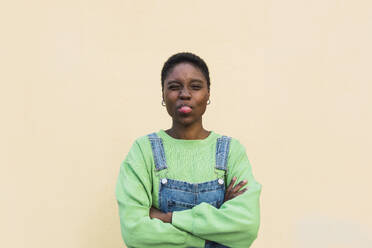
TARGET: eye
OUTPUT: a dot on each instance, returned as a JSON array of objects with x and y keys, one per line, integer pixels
[
  {"x": 197, "y": 87},
  {"x": 173, "y": 87}
]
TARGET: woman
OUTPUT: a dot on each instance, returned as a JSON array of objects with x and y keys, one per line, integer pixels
[{"x": 171, "y": 186}]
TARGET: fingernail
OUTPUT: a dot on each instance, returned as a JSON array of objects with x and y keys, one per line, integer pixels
[{"x": 244, "y": 181}]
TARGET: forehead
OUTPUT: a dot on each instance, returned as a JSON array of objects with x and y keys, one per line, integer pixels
[{"x": 185, "y": 71}]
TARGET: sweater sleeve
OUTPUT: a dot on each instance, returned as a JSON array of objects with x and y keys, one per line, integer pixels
[
  {"x": 133, "y": 194},
  {"x": 236, "y": 222}
]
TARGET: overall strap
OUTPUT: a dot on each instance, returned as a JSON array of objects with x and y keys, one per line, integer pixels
[
  {"x": 158, "y": 151},
  {"x": 222, "y": 152}
]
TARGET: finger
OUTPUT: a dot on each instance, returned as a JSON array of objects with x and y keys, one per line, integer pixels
[
  {"x": 232, "y": 196},
  {"x": 240, "y": 192},
  {"x": 228, "y": 194},
  {"x": 232, "y": 182},
  {"x": 239, "y": 186}
]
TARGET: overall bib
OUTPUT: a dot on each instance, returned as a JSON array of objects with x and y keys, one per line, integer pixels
[{"x": 175, "y": 195}]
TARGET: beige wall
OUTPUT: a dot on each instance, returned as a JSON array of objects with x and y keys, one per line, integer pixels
[{"x": 80, "y": 80}]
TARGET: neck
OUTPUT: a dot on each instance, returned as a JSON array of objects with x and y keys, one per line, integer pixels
[{"x": 189, "y": 132}]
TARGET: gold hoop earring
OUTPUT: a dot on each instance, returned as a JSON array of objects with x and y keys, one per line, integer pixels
[
  {"x": 209, "y": 102},
  {"x": 162, "y": 103}
]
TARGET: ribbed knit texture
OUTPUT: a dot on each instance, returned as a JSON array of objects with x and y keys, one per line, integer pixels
[{"x": 190, "y": 160}]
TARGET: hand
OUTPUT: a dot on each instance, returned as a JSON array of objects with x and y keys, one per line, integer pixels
[
  {"x": 234, "y": 192},
  {"x": 157, "y": 214}
]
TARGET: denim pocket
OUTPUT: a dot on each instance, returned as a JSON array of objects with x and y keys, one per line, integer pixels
[{"x": 178, "y": 206}]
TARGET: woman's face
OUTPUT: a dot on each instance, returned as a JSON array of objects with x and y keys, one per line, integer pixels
[{"x": 185, "y": 85}]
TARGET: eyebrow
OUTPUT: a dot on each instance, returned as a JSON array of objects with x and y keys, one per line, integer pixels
[
  {"x": 173, "y": 81},
  {"x": 194, "y": 80}
]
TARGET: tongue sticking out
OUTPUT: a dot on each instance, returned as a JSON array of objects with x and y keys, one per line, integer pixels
[{"x": 185, "y": 109}]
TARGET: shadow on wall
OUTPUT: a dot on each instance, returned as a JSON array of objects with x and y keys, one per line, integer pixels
[{"x": 325, "y": 232}]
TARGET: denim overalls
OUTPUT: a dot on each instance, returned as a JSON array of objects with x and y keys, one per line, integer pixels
[{"x": 177, "y": 195}]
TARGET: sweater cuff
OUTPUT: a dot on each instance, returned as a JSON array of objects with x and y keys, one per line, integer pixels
[
  {"x": 193, "y": 241},
  {"x": 183, "y": 220}
]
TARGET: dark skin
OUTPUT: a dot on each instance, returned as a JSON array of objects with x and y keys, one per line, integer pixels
[{"x": 186, "y": 84}]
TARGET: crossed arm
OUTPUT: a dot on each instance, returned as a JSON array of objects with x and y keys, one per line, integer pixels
[
  {"x": 234, "y": 224},
  {"x": 230, "y": 193}
]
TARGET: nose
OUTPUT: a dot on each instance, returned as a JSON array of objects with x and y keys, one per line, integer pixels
[{"x": 184, "y": 93}]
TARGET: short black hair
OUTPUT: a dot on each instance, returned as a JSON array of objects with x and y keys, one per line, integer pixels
[{"x": 184, "y": 57}]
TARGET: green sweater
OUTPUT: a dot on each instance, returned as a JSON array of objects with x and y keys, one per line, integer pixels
[{"x": 234, "y": 224}]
